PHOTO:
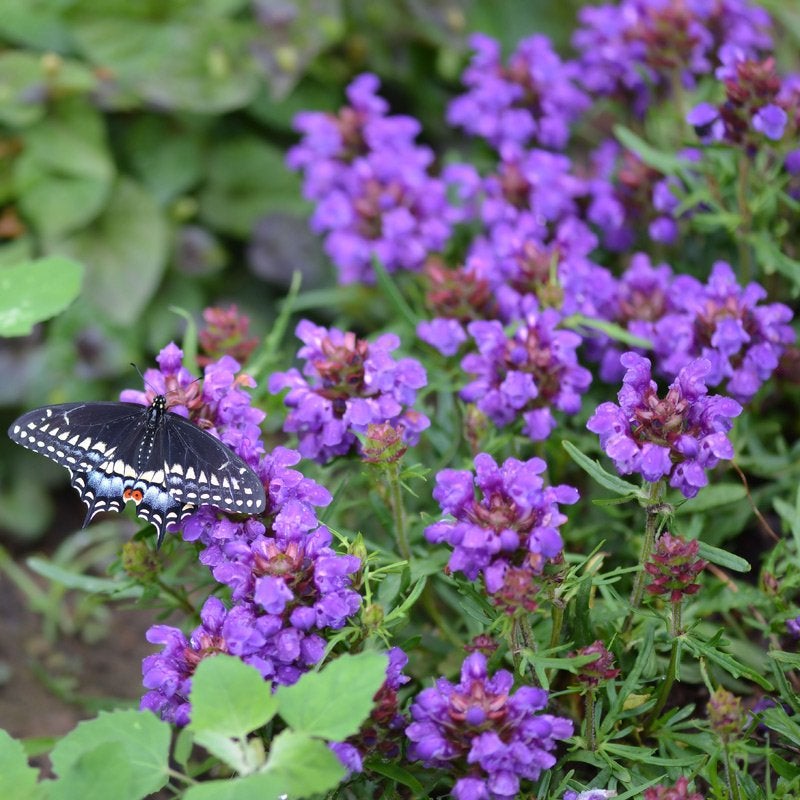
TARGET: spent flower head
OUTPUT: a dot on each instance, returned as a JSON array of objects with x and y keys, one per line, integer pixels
[
  {"x": 674, "y": 566},
  {"x": 600, "y": 670},
  {"x": 486, "y": 736},
  {"x": 678, "y": 437},
  {"x": 725, "y": 714}
]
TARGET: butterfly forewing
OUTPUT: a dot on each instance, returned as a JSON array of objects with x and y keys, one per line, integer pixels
[{"x": 117, "y": 452}]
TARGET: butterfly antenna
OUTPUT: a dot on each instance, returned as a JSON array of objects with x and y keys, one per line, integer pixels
[{"x": 144, "y": 380}]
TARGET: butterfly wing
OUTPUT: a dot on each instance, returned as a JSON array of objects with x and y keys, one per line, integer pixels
[
  {"x": 204, "y": 471},
  {"x": 113, "y": 456}
]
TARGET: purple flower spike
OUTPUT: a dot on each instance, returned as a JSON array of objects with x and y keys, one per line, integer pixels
[
  {"x": 526, "y": 375},
  {"x": 347, "y": 385},
  {"x": 678, "y": 437},
  {"x": 487, "y": 737},
  {"x": 375, "y": 197},
  {"x": 741, "y": 337},
  {"x": 532, "y": 100},
  {"x": 512, "y": 524}
]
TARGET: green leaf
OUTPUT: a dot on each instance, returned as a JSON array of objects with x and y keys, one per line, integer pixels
[
  {"x": 253, "y": 787},
  {"x": 184, "y": 60},
  {"x": 17, "y": 777},
  {"x": 125, "y": 252},
  {"x": 666, "y": 162},
  {"x": 144, "y": 738},
  {"x": 605, "y": 479},
  {"x": 35, "y": 23},
  {"x": 772, "y": 259},
  {"x": 396, "y": 773},
  {"x": 723, "y": 558},
  {"x": 709, "y": 651},
  {"x": 23, "y": 87},
  {"x": 166, "y": 155},
  {"x": 84, "y": 583},
  {"x": 35, "y": 291},
  {"x": 245, "y": 756},
  {"x": 303, "y": 765},
  {"x": 229, "y": 697},
  {"x": 334, "y": 702},
  {"x": 98, "y": 774},
  {"x": 714, "y": 496},
  {"x": 246, "y": 179},
  {"x": 616, "y": 332},
  {"x": 778, "y": 720},
  {"x": 64, "y": 175}
]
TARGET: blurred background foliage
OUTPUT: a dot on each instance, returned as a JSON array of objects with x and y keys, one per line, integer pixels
[{"x": 146, "y": 140}]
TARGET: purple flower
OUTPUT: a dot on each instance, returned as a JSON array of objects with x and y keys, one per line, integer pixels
[
  {"x": 527, "y": 374},
  {"x": 512, "y": 522},
  {"x": 485, "y": 735},
  {"x": 633, "y": 49},
  {"x": 771, "y": 121},
  {"x": 168, "y": 674},
  {"x": 375, "y": 196},
  {"x": 741, "y": 338},
  {"x": 590, "y": 794},
  {"x": 532, "y": 100},
  {"x": 793, "y": 626},
  {"x": 348, "y": 384},
  {"x": 678, "y": 437}
]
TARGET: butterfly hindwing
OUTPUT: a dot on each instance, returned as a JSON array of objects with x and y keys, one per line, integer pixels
[{"x": 117, "y": 452}]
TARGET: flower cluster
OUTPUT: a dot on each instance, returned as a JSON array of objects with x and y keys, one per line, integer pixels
[
  {"x": 533, "y": 99},
  {"x": 225, "y": 333},
  {"x": 674, "y": 566},
  {"x": 678, "y": 437},
  {"x": 725, "y": 714},
  {"x": 633, "y": 50},
  {"x": 348, "y": 384},
  {"x": 287, "y": 585},
  {"x": 526, "y": 374},
  {"x": 741, "y": 337},
  {"x": 375, "y": 196},
  {"x": 511, "y": 528},
  {"x": 484, "y": 734}
]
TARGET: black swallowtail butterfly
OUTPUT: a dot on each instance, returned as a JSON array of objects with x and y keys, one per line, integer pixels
[{"x": 117, "y": 452}]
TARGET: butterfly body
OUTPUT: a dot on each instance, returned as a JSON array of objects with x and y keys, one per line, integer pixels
[{"x": 116, "y": 452}]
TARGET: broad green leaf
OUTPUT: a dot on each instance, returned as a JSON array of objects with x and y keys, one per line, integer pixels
[
  {"x": 125, "y": 252},
  {"x": 35, "y": 291},
  {"x": 185, "y": 61},
  {"x": 778, "y": 720},
  {"x": 36, "y": 23},
  {"x": 166, "y": 154},
  {"x": 593, "y": 468},
  {"x": 246, "y": 179},
  {"x": 334, "y": 702},
  {"x": 17, "y": 778},
  {"x": 64, "y": 175},
  {"x": 253, "y": 787},
  {"x": 229, "y": 697},
  {"x": 98, "y": 774},
  {"x": 246, "y": 756},
  {"x": 144, "y": 738},
  {"x": 303, "y": 765}
]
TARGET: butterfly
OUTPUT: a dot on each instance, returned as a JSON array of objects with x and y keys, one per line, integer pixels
[{"x": 117, "y": 452}]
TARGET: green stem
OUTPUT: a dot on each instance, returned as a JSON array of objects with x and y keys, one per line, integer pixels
[
  {"x": 180, "y": 598},
  {"x": 521, "y": 638},
  {"x": 430, "y": 602},
  {"x": 558, "y": 622},
  {"x": 733, "y": 784},
  {"x": 666, "y": 686},
  {"x": 651, "y": 526},
  {"x": 398, "y": 512},
  {"x": 591, "y": 738}
]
